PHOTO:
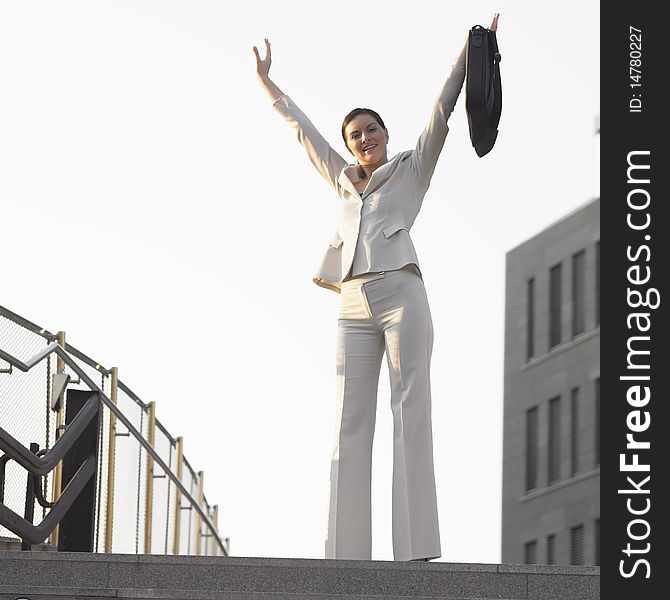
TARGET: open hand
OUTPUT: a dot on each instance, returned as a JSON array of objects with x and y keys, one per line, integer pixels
[{"x": 263, "y": 65}]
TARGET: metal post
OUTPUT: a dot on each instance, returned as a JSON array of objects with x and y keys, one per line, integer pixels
[
  {"x": 29, "y": 512},
  {"x": 111, "y": 464},
  {"x": 198, "y": 518},
  {"x": 149, "y": 497},
  {"x": 179, "y": 447},
  {"x": 60, "y": 419},
  {"x": 213, "y": 548}
]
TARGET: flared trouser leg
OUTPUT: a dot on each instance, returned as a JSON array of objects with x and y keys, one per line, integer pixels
[
  {"x": 380, "y": 313},
  {"x": 360, "y": 348}
]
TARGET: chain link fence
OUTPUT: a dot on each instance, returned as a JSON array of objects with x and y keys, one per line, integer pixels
[{"x": 139, "y": 507}]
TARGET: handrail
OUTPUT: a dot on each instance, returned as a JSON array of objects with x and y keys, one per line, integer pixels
[
  {"x": 132, "y": 395},
  {"x": 42, "y": 465},
  {"x": 89, "y": 361},
  {"x": 122, "y": 386},
  {"x": 31, "y": 362},
  {"x": 55, "y": 348},
  {"x": 36, "y": 329},
  {"x": 36, "y": 534},
  {"x": 26, "y": 324}
]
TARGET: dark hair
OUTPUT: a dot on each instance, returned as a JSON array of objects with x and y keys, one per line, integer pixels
[{"x": 353, "y": 114}]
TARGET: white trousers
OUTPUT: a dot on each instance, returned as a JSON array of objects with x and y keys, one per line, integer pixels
[{"x": 383, "y": 312}]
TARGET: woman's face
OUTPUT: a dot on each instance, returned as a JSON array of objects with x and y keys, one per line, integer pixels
[{"x": 366, "y": 139}]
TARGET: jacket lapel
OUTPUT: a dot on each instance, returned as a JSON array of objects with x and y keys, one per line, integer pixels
[
  {"x": 349, "y": 176},
  {"x": 379, "y": 177}
]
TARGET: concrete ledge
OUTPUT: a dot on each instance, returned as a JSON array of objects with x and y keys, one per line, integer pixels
[
  {"x": 42, "y": 593},
  {"x": 39, "y": 576}
]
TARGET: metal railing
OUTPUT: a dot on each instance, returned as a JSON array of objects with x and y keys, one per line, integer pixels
[{"x": 145, "y": 485}]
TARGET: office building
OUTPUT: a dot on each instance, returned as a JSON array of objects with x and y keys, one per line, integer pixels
[{"x": 551, "y": 443}]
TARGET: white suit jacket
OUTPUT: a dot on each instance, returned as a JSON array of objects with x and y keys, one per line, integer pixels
[{"x": 373, "y": 229}]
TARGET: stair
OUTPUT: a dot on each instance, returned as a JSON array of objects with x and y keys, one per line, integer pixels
[{"x": 61, "y": 575}]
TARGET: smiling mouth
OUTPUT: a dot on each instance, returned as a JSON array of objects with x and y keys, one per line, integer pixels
[{"x": 369, "y": 148}]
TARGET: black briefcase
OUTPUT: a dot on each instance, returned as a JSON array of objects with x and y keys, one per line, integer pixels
[{"x": 483, "y": 88}]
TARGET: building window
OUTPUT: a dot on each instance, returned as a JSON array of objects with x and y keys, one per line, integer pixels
[
  {"x": 577, "y": 545},
  {"x": 530, "y": 552},
  {"x": 574, "y": 431},
  {"x": 554, "y": 444},
  {"x": 551, "y": 549},
  {"x": 577, "y": 293},
  {"x": 597, "y": 423},
  {"x": 597, "y": 283},
  {"x": 531, "y": 448},
  {"x": 597, "y": 543},
  {"x": 555, "y": 305},
  {"x": 530, "y": 318}
]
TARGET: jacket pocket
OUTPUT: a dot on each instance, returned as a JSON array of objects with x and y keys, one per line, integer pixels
[
  {"x": 337, "y": 241},
  {"x": 391, "y": 229}
]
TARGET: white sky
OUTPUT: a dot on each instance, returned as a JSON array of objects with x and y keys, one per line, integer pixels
[{"x": 156, "y": 208}]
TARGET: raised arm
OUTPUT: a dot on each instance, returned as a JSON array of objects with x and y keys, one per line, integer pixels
[
  {"x": 431, "y": 141},
  {"x": 326, "y": 160}
]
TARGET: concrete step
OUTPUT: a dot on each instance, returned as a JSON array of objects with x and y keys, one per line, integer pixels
[{"x": 60, "y": 575}]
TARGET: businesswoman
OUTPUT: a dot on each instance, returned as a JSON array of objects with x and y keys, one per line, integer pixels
[{"x": 372, "y": 263}]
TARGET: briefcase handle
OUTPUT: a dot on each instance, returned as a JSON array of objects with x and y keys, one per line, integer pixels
[{"x": 492, "y": 36}]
